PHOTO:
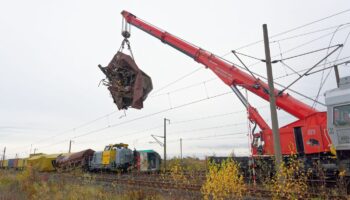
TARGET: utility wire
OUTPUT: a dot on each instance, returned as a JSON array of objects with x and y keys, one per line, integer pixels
[
  {"x": 138, "y": 118},
  {"x": 293, "y": 29},
  {"x": 209, "y": 136},
  {"x": 305, "y": 69},
  {"x": 186, "y": 87},
  {"x": 322, "y": 83},
  {"x": 75, "y": 128},
  {"x": 177, "y": 80},
  {"x": 309, "y": 52},
  {"x": 311, "y": 68},
  {"x": 250, "y": 44},
  {"x": 207, "y": 128},
  {"x": 299, "y": 46},
  {"x": 308, "y": 33},
  {"x": 276, "y": 83}
]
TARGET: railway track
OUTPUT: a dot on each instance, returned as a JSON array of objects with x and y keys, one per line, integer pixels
[{"x": 163, "y": 182}]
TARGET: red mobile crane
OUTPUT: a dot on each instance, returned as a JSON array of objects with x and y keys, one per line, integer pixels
[{"x": 306, "y": 136}]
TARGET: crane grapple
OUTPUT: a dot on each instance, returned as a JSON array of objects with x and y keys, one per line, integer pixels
[{"x": 128, "y": 85}]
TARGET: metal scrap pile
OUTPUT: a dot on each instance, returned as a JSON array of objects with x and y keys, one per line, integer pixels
[{"x": 129, "y": 86}]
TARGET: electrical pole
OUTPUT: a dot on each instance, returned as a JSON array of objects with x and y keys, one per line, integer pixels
[
  {"x": 35, "y": 150},
  {"x": 275, "y": 130},
  {"x": 181, "y": 148},
  {"x": 165, "y": 121},
  {"x": 70, "y": 146},
  {"x": 337, "y": 78},
  {"x": 3, "y": 157}
]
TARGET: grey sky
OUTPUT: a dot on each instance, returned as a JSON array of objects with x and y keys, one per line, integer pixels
[{"x": 49, "y": 52}]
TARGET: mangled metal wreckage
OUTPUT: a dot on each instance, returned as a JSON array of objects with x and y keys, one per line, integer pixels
[{"x": 128, "y": 85}]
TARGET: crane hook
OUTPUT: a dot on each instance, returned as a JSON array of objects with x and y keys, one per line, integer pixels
[{"x": 126, "y": 34}]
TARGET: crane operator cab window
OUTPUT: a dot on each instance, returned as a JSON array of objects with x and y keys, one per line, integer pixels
[{"x": 341, "y": 116}]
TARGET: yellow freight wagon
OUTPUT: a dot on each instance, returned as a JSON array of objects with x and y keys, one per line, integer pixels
[
  {"x": 20, "y": 163},
  {"x": 42, "y": 163},
  {"x": 5, "y": 164}
]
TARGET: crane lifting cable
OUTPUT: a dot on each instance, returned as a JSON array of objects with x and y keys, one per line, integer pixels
[{"x": 129, "y": 86}]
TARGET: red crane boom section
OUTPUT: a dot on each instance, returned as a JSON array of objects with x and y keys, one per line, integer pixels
[{"x": 228, "y": 73}]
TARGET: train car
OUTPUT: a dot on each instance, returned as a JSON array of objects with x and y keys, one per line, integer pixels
[
  {"x": 21, "y": 164},
  {"x": 114, "y": 157},
  {"x": 43, "y": 163},
  {"x": 15, "y": 163},
  {"x": 5, "y": 164},
  {"x": 96, "y": 161},
  {"x": 147, "y": 160},
  {"x": 76, "y": 160},
  {"x": 11, "y": 163}
]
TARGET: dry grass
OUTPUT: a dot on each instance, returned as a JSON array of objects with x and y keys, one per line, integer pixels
[
  {"x": 221, "y": 181},
  {"x": 29, "y": 185}
]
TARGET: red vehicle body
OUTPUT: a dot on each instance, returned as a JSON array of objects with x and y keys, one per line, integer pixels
[{"x": 307, "y": 136}]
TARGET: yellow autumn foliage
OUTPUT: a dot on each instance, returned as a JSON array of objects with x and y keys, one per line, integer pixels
[
  {"x": 291, "y": 180},
  {"x": 224, "y": 181}
]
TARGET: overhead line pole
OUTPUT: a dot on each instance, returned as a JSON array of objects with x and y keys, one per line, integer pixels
[
  {"x": 70, "y": 146},
  {"x": 181, "y": 148},
  {"x": 165, "y": 121},
  {"x": 274, "y": 119},
  {"x": 337, "y": 78},
  {"x": 3, "y": 157}
]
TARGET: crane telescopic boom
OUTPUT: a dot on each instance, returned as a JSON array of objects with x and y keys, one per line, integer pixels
[{"x": 228, "y": 73}]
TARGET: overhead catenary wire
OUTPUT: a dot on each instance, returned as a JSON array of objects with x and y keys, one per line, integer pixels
[
  {"x": 293, "y": 29},
  {"x": 280, "y": 85},
  {"x": 177, "y": 80},
  {"x": 210, "y": 136},
  {"x": 185, "y": 87},
  {"x": 322, "y": 83},
  {"x": 305, "y": 69},
  {"x": 261, "y": 41},
  {"x": 139, "y": 118},
  {"x": 308, "y": 33},
  {"x": 290, "y": 29},
  {"x": 311, "y": 68},
  {"x": 322, "y": 76},
  {"x": 300, "y": 45}
]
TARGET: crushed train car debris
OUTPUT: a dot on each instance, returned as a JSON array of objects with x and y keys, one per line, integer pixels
[{"x": 128, "y": 85}]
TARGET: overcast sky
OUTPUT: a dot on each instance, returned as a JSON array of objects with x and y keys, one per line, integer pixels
[{"x": 49, "y": 52}]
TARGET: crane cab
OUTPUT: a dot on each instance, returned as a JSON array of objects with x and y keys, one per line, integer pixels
[{"x": 338, "y": 122}]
